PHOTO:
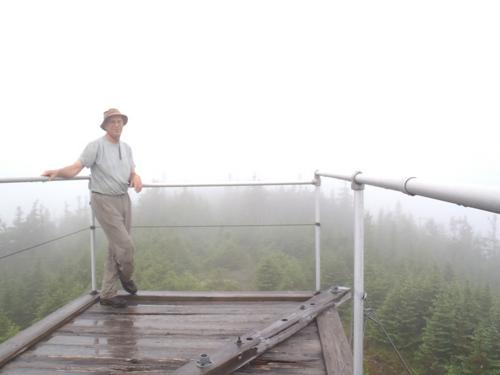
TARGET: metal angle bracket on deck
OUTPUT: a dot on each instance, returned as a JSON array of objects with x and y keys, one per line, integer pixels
[{"x": 247, "y": 347}]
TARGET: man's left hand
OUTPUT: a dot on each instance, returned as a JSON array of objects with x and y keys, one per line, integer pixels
[{"x": 136, "y": 183}]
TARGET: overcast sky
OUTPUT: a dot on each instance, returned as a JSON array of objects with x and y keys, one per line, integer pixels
[{"x": 272, "y": 88}]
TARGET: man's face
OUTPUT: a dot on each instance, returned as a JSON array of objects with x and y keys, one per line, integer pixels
[{"x": 114, "y": 126}]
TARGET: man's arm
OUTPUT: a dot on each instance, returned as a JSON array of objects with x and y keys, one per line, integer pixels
[
  {"x": 66, "y": 172},
  {"x": 135, "y": 181}
]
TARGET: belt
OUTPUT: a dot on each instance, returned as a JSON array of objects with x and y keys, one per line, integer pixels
[{"x": 109, "y": 195}]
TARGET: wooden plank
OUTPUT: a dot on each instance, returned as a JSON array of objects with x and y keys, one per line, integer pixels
[
  {"x": 89, "y": 366},
  {"x": 189, "y": 307},
  {"x": 83, "y": 362},
  {"x": 221, "y": 296},
  {"x": 151, "y": 339},
  {"x": 113, "y": 366},
  {"x": 174, "y": 330},
  {"x": 290, "y": 367},
  {"x": 168, "y": 321},
  {"x": 303, "y": 351},
  {"x": 164, "y": 328},
  {"x": 217, "y": 319},
  {"x": 166, "y": 347},
  {"x": 336, "y": 350},
  {"x": 143, "y": 341},
  {"x": 38, "y": 331}
]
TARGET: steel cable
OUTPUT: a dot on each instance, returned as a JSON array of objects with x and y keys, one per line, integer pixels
[
  {"x": 223, "y": 225},
  {"x": 400, "y": 356},
  {"x": 156, "y": 226},
  {"x": 42, "y": 243}
]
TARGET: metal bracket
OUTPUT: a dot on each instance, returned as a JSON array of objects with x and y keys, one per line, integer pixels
[
  {"x": 339, "y": 289},
  {"x": 405, "y": 190},
  {"x": 317, "y": 178},
  {"x": 354, "y": 184}
]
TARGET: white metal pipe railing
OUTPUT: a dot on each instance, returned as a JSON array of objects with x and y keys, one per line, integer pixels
[
  {"x": 92, "y": 249},
  {"x": 162, "y": 184},
  {"x": 359, "y": 283},
  {"x": 480, "y": 197},
  {"x": 11, "y": 180},
  {"x": 486, "y": 199},
  {"x": 345, "y": 177},
  {"x": 317, "y": 232},
  {"x": 228, "y": 184}
]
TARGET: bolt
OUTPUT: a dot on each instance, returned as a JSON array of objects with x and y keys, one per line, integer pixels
[{"x": 204, "y": 361}]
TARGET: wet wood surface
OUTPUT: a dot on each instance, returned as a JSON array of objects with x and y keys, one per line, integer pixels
[
  {"x": 336, "y": 349},
  {"x": 38, "y": 331},
  {"x": 158, "y": 335}
]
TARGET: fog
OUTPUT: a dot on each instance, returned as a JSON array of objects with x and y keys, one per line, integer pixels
[
  {"x": 58, "y": 196},
  {"x": 273, "y": 89}
]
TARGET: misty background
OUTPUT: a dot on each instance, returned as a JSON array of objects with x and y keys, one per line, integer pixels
[
  {"x": 225, "y": 90},
  {"x": 60, "y": 196}
]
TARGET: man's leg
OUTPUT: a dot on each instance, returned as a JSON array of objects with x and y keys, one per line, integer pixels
[
  {"x": 109, "y": 211},
  {"x": 109, "y": 277},
  {"x": 125, "y": 272}
]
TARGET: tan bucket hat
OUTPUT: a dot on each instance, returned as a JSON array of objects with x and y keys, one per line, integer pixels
[{"x": 113, "y": 112}]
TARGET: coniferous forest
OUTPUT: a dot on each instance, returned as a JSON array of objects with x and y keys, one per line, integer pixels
[{"x": 433, "y": 288}]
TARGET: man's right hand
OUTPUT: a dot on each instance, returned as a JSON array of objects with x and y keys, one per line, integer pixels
[
  {"x": 67, "y": 172},
  {"x": 51, "y": 173}
]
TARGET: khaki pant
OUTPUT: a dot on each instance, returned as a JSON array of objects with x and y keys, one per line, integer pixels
[{"x": 114, "y": 214}]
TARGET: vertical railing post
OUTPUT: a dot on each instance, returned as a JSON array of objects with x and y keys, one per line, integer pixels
[
  {"x": 92, "y": 248},
  {"x": 317, "y": 231},
  {"x": 359, "y": 288}
]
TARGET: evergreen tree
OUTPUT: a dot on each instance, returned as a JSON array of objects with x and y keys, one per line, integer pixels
[
  {"x": 7, "y": 327},
  {"x": 485, "y": 355},
  {"x": 401, "y": 313},
  {"x": 467, "y": 321},
  {"x": 269, "y": 273},
  {"x": 438, "y": 340}
]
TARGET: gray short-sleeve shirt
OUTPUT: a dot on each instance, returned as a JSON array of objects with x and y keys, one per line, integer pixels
[{"x": 110, "y": 166}]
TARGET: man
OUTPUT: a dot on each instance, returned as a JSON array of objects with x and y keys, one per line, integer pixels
[{"x": 112, "y": 171}]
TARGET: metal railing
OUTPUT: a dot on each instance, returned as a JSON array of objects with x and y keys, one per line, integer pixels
[
  {"x": 486, "y": 199},
  {"x": 482, "y": 198},
  {"x": 93, "y": 226}
]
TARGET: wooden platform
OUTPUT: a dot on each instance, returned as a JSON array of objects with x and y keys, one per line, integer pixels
[{"x": 159, "y": 332}]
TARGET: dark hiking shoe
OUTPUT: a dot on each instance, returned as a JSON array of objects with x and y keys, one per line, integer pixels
[
  {"x": 116, "y": 302},
  {"x": 129, "y": 286}
]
